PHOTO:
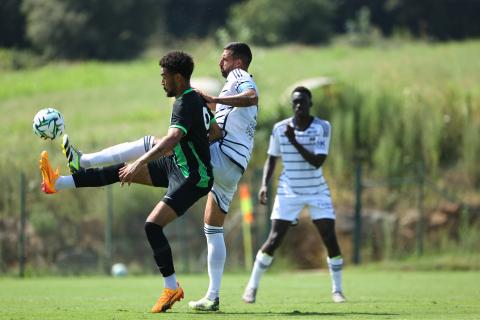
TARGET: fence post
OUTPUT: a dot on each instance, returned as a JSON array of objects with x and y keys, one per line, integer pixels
[
  {"x": 23, "y": 219},
  {"x": 108, "y": 231},
  {"x": 421, "y": 216},
  {"x": 358, "y": 212}
]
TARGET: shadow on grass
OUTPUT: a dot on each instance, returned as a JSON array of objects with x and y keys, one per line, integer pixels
[{"x": 294, "y": 313}]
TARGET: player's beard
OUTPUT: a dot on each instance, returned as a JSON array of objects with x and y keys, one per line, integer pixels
[
  {"x": 170, "y": 92},
  {"x": 225, "y": 72}
]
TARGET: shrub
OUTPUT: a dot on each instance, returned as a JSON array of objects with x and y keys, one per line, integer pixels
[{"x": 270, "y": 22}]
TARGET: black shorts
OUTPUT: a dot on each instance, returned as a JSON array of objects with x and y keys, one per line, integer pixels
[{"x": 182, "y": 192}]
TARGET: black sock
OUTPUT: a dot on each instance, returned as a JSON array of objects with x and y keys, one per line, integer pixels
[
  {"x": 161, "y": 248},
  {"x": 97, "y": 177}
]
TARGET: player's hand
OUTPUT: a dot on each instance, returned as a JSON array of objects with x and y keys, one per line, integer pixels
[
  {"x": 208, "y": 98},
  {"x": 128, "y": 172},
  {"x": 290, "y": 134},
  {"x": 262, "y": 195}
]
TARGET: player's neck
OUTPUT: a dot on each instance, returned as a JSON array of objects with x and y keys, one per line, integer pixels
[
  {"x": 182, "y": 89},
  {"x": 301, "y": 123}
]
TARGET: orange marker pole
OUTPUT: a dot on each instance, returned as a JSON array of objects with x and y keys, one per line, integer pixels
[{"x": 247, "y": 212}]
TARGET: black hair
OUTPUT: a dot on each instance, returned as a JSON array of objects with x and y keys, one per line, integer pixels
[
  {"x": 241, "y": 51},
  {"x": 178, "y": 62},
  {"x": 303, "y": 89}
]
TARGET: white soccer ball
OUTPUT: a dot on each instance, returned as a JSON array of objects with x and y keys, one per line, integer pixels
[
  {"x": 48, "y": 123},
  {"x": 119, "y": 270}
]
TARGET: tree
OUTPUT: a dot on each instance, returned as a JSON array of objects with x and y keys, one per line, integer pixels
[
  {"x": 12, "y": 24},
  {"x": 271, "y": 22},
  {"x": 101, "y": 29}
]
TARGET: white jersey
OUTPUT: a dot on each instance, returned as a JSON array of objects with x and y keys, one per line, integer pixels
[
  {"x": 298, "y": 176},
  {"x": 238, "y": 123}
]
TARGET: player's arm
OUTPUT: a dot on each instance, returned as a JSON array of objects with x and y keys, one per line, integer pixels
[
  {"x": 214, "y": 132},
  {"x": 245, "y": 98},
  {"x": 268, "y": 170},
  {"x": 164, "y": 146},
  {"x": 315, "y": 160}
]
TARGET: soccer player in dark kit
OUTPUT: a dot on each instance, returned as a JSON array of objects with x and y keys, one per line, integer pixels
[{"x": 180, "y": 162}]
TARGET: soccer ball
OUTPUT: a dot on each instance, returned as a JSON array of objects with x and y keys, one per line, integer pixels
[
  {"x": 119, "y": 270},
  {"x": 48, "y": 123}
]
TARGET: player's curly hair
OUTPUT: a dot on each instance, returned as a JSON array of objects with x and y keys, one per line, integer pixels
[
  {"x": 303, "y": 89},
  {"x": 178, "y": 62}
]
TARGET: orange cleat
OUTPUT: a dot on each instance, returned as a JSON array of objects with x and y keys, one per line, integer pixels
[
  {"x": 167, "y": 299},
  {"x": 48, "y": 175}
]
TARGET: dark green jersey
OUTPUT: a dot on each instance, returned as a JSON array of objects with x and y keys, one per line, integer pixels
[{"x": 192, "y": 154}]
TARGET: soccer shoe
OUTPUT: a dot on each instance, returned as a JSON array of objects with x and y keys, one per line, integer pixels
[
  {"x": 249, "y": 295},
  {"x": 48, "y": 175},
  {"x": 167, "y": 299},
  {"x": 72, "y": 154},
  {"x": 205, "y": 304},
  {"x": 338, "y": 297}
]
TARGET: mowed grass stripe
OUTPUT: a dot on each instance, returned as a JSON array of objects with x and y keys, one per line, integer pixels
[{"x": 372, "y": 295}]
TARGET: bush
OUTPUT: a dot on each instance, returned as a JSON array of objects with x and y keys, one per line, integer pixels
[
  {"x": 108, "y": 29},
  {"x": 270, "y": 22}
]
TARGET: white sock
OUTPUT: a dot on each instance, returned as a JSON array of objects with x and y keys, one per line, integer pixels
[
  {"x": 170, "y": 282},
  {"x": 335, "y": 266},
  {"x": 217, "y": 254},
  {"x": 119, "y": 153},
  {"x": 262, "y": 262},
  {"x": 64, "y": 182}
]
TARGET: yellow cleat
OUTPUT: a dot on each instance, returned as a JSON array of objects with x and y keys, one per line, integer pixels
[
  {"x": 48, "y": 175},
  {"x": 167, "y": 299}
]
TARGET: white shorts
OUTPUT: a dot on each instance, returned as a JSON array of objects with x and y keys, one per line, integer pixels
[
  {"x": 226, "y": 176},
  {"x": 289, "y": 207}
]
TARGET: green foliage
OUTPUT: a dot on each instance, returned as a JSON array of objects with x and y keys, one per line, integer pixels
[
  {"x": 12, "y": 59},
  {"x": 90, "y": 29},
  {"x": 270, "y": 22},
  {"x": 360, "y": 31},
  {"x": 392, "y": 132}
]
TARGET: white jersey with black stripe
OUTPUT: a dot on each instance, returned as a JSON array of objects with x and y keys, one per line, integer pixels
[
  {"x": 298, "y": 176},
  {"x": 238, "y": 123}
]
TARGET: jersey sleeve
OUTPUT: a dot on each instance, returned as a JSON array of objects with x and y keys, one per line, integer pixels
[
  {"x": 181, "y": 117},
  {"x": 244, "y": 83},
  {"x": 274, "y": 145},
  {"x": 322, "y": 142}
]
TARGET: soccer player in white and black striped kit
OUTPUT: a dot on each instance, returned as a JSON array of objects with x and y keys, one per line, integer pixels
[
  {"x": 302, "y": 143},
  {"x": 236, "y": 116}
]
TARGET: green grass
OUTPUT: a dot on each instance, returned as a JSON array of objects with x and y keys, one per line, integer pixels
[
  {"x": 371, "y": 295},
  {"x": 106, "y": 103}
]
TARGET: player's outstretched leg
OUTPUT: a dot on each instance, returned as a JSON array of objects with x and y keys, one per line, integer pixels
[
  {"x": 116, "y": 154},
  {"x": 49, "y": 177},
  {"x": 52, "y": 182},
  {"x": 72, "y": 154}
]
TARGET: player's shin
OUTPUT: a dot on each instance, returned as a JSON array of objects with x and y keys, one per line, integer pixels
[
  {"x": 335, "y": 266},
  {"x": 216, "y": 259},
  {"x": 97, "y": 177},
  {"x": 162, "y": 253},
  {"x": 262, "y": 262},
  {"x": 119, "y": 153}
]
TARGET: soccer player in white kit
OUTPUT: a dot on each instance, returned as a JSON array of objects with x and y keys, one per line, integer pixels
[
  {"x": 302, "y": 143},
  {"x": 236, "y": 115}
]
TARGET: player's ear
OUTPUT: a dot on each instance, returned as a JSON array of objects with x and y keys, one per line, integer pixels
[{"x": 177, "y": 77}]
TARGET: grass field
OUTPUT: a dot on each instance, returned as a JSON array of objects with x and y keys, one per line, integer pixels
[{"x": 371, "y": 294}]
